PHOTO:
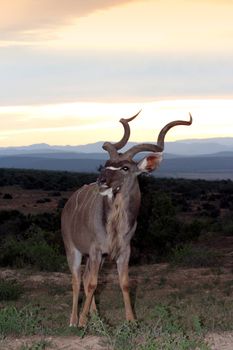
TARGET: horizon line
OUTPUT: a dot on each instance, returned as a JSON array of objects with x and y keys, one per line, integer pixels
[{"x": 101, "y": 141}]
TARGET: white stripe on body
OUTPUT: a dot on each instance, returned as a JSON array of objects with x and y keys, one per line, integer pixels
[{"x": 84, "y": 200}]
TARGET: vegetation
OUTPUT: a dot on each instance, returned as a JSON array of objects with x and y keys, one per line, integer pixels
[
  {"x": 10, "y": 290},
  {"x": 178, "y": 219},
  {"x": 175, "y": 214},
  {"x": 166, "y": 333},
  {"x": 46, "y": 180},
  {"x": 39, "y": 345},
  {"x": 37, "y": 249},
  {"x": 24, "y": 321},
  {"x": 170, "y": 316},
  {"x": 189, "y": 255}
]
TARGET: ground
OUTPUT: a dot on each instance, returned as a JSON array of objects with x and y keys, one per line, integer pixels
[
  {"x": 31, "y": 201},
  {"x": 197, "y": 300},
  {"x": 150, "y": 284}
]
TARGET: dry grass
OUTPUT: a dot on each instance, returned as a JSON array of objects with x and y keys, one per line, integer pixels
[
  {"x": 171, "y": 305},
  {"x": 30, "y": 201}
]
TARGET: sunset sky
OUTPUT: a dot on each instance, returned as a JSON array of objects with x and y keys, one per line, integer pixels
[{"x": 70, "y": 69}]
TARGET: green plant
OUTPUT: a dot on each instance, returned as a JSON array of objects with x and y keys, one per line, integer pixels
[
  {"x": 165, "y": 331},
  {"x": 25, "y": 321},
  {"x": 39, "y": 345},
  {"x": 10, "y": 290},
  {"x": 189, "y": 255},
  {"x": 34, "y": 251}
]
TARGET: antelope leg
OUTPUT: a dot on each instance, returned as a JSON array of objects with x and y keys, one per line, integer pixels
[
  {"x": 92, "y": 277},
  {"x": 85, "y": 284},
  {"x": 75, "y": 266},
  {"x": 122, "y": 267}
]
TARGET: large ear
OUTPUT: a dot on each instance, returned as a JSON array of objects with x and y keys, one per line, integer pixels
[{"x": 150, "y": 162}]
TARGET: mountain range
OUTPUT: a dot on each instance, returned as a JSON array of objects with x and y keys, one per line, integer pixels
[
  {"x": 185, "y": 147},
  {"x": 204, "y": 158}
]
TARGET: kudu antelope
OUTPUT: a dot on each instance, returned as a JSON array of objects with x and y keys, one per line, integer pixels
[{"x": 100, "y": 219}]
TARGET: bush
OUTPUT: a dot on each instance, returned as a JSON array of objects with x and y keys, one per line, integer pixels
[
  {"x": 25, "y": 321},
  {"x": 34, "y": 251},
  {"x": 7, "y": 196},
  {"x": 10, "y": 290},
  {"x": 188, "y": 255},
  {"x": 12, "y": 222},
  {"x": 43, "y": 200},
  {"x": 46, "y": 180},
  {"x": 61, "y": 203},
  {"x": 158, "y": 227},
  {"x": 46, "y": 221},
  {"x": 55, "y": 194},
  {"x": 194, "y": 229}
]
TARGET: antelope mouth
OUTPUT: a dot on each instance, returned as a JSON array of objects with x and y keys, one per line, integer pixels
[{"x": 105, "y": 190}]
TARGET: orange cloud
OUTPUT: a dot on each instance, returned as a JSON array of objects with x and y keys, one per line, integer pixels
[{"x": 26, "y": 15}]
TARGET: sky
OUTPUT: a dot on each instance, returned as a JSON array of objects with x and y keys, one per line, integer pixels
[{"x": 70, "y": 69}]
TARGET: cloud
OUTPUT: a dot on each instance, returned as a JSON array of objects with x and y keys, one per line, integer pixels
[
  {"x": 52, "y": 116},
  {"x": 20, "y": 18},
  {"x": 35, "y": 77},
  {"x": 55, "y": 124}
]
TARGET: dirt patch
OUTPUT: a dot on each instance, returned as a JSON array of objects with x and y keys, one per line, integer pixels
[
  {"x": 59, "y": 343},
  {"x": 223, "y": 341},
  {"x": 216, "y": 341},
  {"x": 30, "y": 201}
]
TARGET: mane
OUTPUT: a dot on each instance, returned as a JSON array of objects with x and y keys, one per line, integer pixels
[{"x": 117, "y": 225}]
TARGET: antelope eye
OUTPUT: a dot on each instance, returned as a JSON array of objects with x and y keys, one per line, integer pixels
[{"x": 125, "y": 168}]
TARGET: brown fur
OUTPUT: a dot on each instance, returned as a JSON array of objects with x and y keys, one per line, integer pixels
[{"x": 101, "y": 218}]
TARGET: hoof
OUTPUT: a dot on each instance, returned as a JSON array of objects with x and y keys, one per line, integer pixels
[
  {"x": 130, "y": 318},
  {"x": 82, "y": 321},
  {"x": 73, "y": 325}
]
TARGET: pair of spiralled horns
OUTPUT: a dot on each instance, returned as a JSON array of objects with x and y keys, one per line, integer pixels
[{"x": 113, "y": 148}]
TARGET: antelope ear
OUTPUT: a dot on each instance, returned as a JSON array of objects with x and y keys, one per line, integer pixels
[{"x": 150, "y": 163}]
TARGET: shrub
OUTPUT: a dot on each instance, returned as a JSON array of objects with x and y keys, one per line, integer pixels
[
  {"x": 43, "y": 200},
  {"x": 7, "y": 196},
  {"x": 38, "y": 345},
  {"x": 10, "y": 290},
  {"x": 33, "y": 251},
  {"x": 12, "y": 222},
  {"x": 46, "y": 221},
  {"x": 227, "y": 225},
  {"x": 23, "y": 321},
  {"x": 194, "y": 229},
  {"x": 188, "y": 255},
  {"x": 61, "y": 203},
  {"x": 55, "y": 194}
]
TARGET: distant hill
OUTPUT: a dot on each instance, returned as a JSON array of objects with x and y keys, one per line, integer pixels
[
  {"x": 208, "y": 159},
  {"x": 206, "y": 167},
  {"x": 184, "y": 148},
  {"x": 48, "y": 163}
]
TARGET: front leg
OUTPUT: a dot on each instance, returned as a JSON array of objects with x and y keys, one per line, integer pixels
[{"x": 122, "y": 267}]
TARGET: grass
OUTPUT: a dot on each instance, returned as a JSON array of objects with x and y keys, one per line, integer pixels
[
  {"x": 39, "y": 345},
  {"x": 33, "y": 251},
  {"x": 24, "y": 321},
  {"x": 175, "y": 318},
  {"x": 10, "y": 290},
  {"x": 189, "y": 255},
  {"x": 163, "y": 333}
]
